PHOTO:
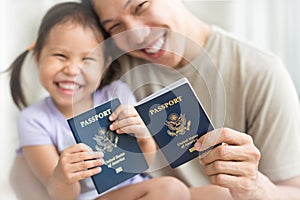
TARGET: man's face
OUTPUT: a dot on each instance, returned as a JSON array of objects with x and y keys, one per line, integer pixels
[{"x": 149, "y": 29}]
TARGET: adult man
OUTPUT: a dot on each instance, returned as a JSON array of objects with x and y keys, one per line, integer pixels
[{"x": 239, "y": 86}]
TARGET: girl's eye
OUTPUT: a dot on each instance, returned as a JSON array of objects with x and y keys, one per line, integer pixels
[
  {"x": 61, "y": 56},
  {"x": 141, "y": 7}
]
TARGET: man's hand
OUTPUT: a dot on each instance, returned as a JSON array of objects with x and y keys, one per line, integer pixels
[{"x": 234, "y": 164}]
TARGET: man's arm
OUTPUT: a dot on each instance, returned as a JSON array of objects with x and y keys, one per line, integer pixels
[{"x": 289, "y": 189}]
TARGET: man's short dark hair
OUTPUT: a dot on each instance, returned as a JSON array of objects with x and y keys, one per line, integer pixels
[{"x": 88, "y": 3}]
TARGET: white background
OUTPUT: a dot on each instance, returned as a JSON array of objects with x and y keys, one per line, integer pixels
[{"x": 270, "y": 24}]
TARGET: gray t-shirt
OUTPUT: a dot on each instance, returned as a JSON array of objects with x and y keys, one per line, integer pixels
[{"x": 241, "y": 87}]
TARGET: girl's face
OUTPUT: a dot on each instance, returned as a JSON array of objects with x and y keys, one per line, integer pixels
[{"x": 70, "y": 67}]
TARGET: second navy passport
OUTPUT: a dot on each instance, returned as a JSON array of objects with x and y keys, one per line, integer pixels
[
  {"x": 176, "y": 119},
  {"x": 122, "y": 154}
]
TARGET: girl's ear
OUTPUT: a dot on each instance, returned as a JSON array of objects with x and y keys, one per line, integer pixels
[
  {"x": 35, "y": 58},
  {"x": 32, "y": 51}
]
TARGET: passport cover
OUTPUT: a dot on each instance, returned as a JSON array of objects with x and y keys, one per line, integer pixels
[
  {"x": 122, "y": 154},
  {"x": 175, "y": 119}
]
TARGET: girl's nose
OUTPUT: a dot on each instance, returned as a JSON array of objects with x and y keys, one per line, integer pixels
[{"x": 72, "y": 68}]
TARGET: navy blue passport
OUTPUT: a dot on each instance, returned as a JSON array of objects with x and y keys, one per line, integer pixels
[
  {"x": 175, "y": 119},
  {"x": 122, "y": 154}
]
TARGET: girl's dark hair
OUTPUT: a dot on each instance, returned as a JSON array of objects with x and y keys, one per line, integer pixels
[{"x": 58, "y": 14}]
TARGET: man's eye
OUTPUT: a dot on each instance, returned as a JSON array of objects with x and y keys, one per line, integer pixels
[
  {"x": 141, "y": 7},
  {"x": 89, "y": 59},
  {"x": 114, "y": 28}
]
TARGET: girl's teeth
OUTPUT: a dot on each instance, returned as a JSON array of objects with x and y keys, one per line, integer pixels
[
  {"x": 157, "y": 46},
  {"x": 69, "y": 86}
]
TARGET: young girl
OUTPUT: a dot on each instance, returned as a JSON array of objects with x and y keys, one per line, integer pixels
[{"x": 70, "y": 63}]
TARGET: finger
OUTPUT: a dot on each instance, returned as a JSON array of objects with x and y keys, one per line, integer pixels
[
  {"x": 203, "y": 153},
  {"x": 225, "y": 153},
  {"x": 81, "y": 150},
  {"x": 230, "y": 168},
  {"x": 123, "y": 111},
  {"x": 127, "y": 112},
  {"x": 84, "y": 165},
  {"x": 223, "y": 135},
  {"x": 80, "y": 175},
  {"x": 115, "y": 114},
  {"x": 119, "y": 124},
  {"x": 80, "y": 147},
  {"x": 232, "y": 182},
  {"x": 137, "y": 130},
  {"x": 81, "y": 156}
]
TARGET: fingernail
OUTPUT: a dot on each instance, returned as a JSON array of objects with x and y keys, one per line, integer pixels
[
  {"x": 111, "y": 127},
  {"x": 101, "y": 161},
  {"x": 100, "y": 154},
  {"x": 88, "y": 148},
  {"x": 197, "y": 146},
  {"x": 99, "y": 169},
  {"x": 200, "y": 161},
  {"x": 111, "y": 118}
]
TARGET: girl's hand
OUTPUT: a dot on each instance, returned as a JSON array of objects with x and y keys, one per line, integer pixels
[
  {"x": 126, "y": 120},
  {"x": 78, "y": 162}
]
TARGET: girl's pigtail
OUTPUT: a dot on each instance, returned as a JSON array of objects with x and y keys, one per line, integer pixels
[{"x": 15, "y": 81}]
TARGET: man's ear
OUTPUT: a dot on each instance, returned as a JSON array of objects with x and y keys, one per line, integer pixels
[
  {"x": 108, "y": 62},
  {"x": 106, "y": 65}
]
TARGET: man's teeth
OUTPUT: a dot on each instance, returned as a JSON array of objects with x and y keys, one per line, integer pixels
[
  {"x": 69, "y": 86},
  {"x": 157, "y": 46}
]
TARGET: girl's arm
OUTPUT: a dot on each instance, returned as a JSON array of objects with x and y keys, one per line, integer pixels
[
  {"x": 61, "y": 174},
  {"x": 127, "y": 120},
  {"x": 148, "y": 147}
]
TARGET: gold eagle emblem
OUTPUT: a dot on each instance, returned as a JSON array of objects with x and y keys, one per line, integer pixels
[
  {"x": 177, "y": 125},
  {"x": 106, "y": 140}
]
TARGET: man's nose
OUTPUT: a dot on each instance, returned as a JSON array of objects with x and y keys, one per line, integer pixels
[
  {"x": 138, "y": 36},
  {"x": 137, "y": 32}
]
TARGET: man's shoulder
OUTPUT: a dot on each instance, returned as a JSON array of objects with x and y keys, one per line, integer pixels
[
  {"x": 222, "y": 39},
  {"x": 224, "y": 47}
]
